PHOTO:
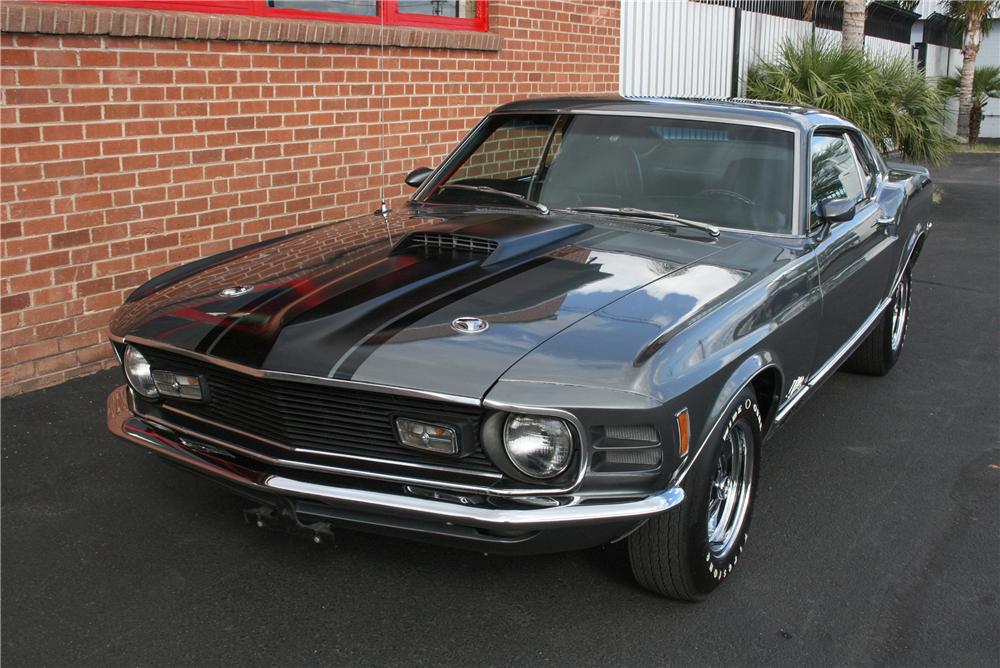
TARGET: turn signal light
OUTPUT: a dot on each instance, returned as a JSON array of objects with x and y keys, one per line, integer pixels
[{"x": 684, "y": 430}]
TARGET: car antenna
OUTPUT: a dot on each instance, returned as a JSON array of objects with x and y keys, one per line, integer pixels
[{"x": 384, "y": 209}]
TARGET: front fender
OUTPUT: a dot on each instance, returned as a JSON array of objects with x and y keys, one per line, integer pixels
[{"x": 743, "y": 376}]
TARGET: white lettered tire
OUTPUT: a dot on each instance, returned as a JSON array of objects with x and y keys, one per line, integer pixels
[{"x": 688, "y": 551}]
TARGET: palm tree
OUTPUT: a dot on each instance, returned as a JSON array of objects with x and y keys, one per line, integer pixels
[
  {"x": 985, "y": 84},
  {"x": 973, "y": 14},
  {"x": 853, "y": 36},
  {"x": 888, "y": 98}
]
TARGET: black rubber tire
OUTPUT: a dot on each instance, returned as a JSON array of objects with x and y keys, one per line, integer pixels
[
  {"x": 670, "y": 554},
  {"x": 880, "y": 350}
]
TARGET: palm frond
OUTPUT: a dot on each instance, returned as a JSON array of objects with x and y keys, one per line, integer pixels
[{"x": 887, "y": 98}]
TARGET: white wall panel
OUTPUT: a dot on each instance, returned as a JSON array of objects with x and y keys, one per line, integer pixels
[
  {"x": 885, "y": 48},
  {"x": 762, "y": 37},
  {"x": 676, "y": 49}
]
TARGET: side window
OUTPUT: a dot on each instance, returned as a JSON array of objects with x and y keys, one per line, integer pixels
[
  {"x": 834, "y": 172},
  {"x": 869, "y": 171},
  {"x": 509, "y": 157}
]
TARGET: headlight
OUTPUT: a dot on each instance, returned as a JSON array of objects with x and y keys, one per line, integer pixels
[
  {"x": 139, "y": 375},
  {"x": 540, "y": 447}
]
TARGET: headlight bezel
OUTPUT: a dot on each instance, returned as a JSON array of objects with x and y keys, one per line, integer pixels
[
  {"x": 133, "y": 362},
  {"x": 493, "y": 443}
]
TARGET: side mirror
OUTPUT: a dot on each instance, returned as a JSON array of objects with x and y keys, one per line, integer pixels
[
  {"x": 417, "y": 177},
  {"x": 836, "y": 210}
]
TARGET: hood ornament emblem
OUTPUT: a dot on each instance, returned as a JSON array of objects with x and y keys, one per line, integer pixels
[
  {"x": 236, "y": 290},
  {"x": 469, "y": 325}
]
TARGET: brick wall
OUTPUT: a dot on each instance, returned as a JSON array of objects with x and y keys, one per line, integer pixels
[{"x": 123, "y": 155}]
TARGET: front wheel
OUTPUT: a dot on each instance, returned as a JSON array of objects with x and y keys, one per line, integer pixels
[{"x": 687, "y": 552}]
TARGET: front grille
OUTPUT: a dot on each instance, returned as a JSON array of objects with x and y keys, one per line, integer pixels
[
  {"x": 451, "y": 242},
  {"x": 318, "y": 417}
]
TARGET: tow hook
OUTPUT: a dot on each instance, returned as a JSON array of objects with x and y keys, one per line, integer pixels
[{"x": 287, "y": 520}]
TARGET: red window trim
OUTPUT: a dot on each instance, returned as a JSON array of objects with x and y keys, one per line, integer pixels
[{"x": 389, "y": 9}]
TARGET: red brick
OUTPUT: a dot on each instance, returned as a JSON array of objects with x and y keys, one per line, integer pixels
[
  {"x": 76, "y": 186},
  {"x": 49, "y": 260},
  {"x": 12, "y": 173},
  {"x": 105, "y": 301},
  {"x": 37, "y": 190},
  {"x": 34, "y": 96},
  {"x": 69, "y": 239},
  {"x": 34, "y": 351},
  {"x": 30, "y": 209},
  {"x": 54, "y": 295},
  {"x": 83, "y": 113},
  {"x": 54, "y": 329},
  {"x": 11, "y": 57},
  {"x": 51, "y": 365},
  {"x": 19, "y": 135},
  {"x": 80, "y": 77},
  {"x": 15, "y": 303},
  {"x": 61, "y": 133},
  {"x": 51, "y": 313}
]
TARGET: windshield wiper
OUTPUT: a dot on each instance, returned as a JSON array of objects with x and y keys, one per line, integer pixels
[
  {"x": 494, "y": 191},
  {"x": 642, "y": 213}
]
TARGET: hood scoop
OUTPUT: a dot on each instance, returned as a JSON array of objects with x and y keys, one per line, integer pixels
[
  {"x": 501, "y": 245},
  {"x": 447, "y": 242}
]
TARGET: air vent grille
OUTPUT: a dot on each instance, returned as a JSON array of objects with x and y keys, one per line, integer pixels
[{"x": 451, "y": 242}]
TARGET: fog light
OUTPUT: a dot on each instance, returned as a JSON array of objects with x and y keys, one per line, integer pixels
[
  {"x": 432, "y": 437},
  {"x": 139, "y": 374},
  {"x": 180, "y": 385},
  {"x": 538, "y": 446}
]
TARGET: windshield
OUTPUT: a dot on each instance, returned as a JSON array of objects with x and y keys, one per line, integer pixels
[{"x": 722, "y": 174}]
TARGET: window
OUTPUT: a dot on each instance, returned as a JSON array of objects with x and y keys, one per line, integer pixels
[
  {"x": 734, "y": 176},
  {"x": 834, "y": 172},
  {"x": 869, "y": 169},
  {"x": 449, "y": 14}
]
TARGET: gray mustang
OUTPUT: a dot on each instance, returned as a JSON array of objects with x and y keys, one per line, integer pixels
[{"x": 581, "y": 328}]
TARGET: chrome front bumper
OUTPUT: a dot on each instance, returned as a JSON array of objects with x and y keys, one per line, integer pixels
[{"x": 370, "y": 504}]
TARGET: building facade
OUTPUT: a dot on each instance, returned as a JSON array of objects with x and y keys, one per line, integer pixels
[{"x": 136, "y": 139}]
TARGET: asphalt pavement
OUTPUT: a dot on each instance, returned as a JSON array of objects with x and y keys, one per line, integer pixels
[{"x": 874, "y": 541}]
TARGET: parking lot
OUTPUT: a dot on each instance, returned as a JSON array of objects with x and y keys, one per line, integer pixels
[{"x": 874, "y": 539}]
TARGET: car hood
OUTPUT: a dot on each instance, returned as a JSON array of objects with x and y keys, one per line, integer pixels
[{"x": 373, "y": 299}]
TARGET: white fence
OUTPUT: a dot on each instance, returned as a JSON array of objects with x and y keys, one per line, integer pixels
[
  {"x": 761, "y": 39},
  {"x": 676, "y": 49},
  {"x": 679, "y": 48}
]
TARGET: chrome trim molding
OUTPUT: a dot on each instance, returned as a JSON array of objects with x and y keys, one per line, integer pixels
[
  {"x": 306, "y": 451},
  {"x": 837, "y": 358},
  {"x": 301, "y": 378},
  {"x": 427, "y": 482},
  {"x": 380, "y": 503},
  {"x": 833, "y": 363},
  {"x": 553, "y": 412},
  {"x": 325, "y": 468},
  {"x": 450, "y": 513}
]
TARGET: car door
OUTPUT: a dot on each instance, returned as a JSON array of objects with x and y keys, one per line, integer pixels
[{"x": 854, "y": 256}]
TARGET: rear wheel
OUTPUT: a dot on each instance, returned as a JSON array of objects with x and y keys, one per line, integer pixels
[
  {"x": 881, "y": 348},
  {"x": 687, "y": 552}
]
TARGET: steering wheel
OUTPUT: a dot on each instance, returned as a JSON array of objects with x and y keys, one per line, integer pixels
[{"x": 727, "y": 193}]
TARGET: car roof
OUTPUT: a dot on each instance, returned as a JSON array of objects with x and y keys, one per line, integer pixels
[{"x": 793, "y": 117}]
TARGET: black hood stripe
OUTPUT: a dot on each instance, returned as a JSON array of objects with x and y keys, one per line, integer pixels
[{"x": 348, "y": 365}]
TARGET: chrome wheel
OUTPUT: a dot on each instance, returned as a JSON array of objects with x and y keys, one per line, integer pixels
[
  {"x": 730, "y": 494},
  {"x": 900, "y": 307}
]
